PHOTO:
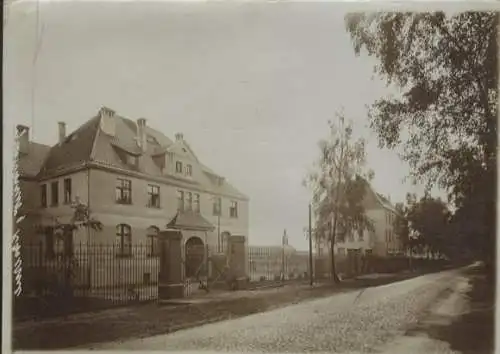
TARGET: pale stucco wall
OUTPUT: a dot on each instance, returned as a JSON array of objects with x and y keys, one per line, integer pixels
[{"x": 140, "y": 217}]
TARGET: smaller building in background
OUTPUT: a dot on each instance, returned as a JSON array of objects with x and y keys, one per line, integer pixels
[{"x": 381, "y": 241}]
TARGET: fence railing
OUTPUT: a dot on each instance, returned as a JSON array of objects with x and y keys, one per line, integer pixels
[
  {"x": 93, "y": 276},
  {"x": 266, "y": 264},
  {"x": 101, "y": 271},
  {"x": 102, "y": 275}
]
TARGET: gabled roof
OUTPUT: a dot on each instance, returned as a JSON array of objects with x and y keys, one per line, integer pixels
[
  {"x": 29, "y": 164},
  {"x": 385, "y": 202},
  {"x": 191, "y": 221},
  {"x": 379, "y": 198},
  {"x": 76, "y": 149},
  {"x": 90, "y": 144}
]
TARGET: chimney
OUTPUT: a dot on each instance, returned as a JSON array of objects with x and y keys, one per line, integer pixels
[
  {"x": 62, "y": 132},
  {"x": 141, "y": 134},
  {"x": 108, "y": 124},
  {"x": 179, "y": 137},
  {"x": 23, "y": 134}
]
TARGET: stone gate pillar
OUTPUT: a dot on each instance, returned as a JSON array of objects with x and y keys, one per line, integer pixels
[
  {"x": 170, "y": 282},
  {"x": 237, "y": 261}
]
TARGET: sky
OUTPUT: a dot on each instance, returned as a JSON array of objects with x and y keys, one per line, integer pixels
[{"x": 250, "y": 85}]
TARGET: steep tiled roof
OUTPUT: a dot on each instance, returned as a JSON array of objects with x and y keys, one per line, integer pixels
[
  {"x": 381, "y": 200},
  {"x": 29, "y": 164},
  {"x": 76, "y": 149},
  {"x": 190, "y": 220},
  {"x": 90, "y": 143}
]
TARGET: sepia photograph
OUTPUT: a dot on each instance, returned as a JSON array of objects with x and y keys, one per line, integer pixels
[{"x": 250, "y": 176}]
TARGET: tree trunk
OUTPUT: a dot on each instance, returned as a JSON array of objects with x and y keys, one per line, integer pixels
[
  {"x": 410, "y": 262},
  {"x": 335, "y": 276}
]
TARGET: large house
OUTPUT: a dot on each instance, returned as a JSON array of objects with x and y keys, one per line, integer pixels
[
  {"x": 382, "y": 241},
  {"x": 134, "y": 179}
]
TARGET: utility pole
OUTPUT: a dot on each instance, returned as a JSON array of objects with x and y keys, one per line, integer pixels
[
  {"x": 283, "y": 242},
  {"x": 220, "y": 243},
  {"x": 310, "y": 249}
]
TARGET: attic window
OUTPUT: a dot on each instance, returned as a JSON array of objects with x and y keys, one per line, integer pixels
[
  {"x": 152, "y": 140},
  {"x": 126, "y": 158}
]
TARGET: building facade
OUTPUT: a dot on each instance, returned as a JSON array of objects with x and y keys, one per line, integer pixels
[
  {"x": 382, "y": 241},
  {"x": 135, "y": 181}
]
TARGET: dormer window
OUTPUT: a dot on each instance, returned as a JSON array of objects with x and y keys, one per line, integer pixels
[
  {"x": 127, "y": 158},
  {"x": 132, "y": 160},
  {"x": 189, "y": 170},
  {"x": 178, "y": 167},
  {"x": 151, "y": 140}
]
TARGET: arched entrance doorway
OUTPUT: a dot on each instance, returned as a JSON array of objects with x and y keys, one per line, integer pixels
[{"x": 195, "y": 254}]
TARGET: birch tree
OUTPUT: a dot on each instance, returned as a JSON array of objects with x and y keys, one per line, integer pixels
[{"x": 337, "y": 183}]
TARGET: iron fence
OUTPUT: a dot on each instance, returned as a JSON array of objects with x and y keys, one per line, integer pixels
[
  {"x": 90, "y": 276},
  {"x": 276, "y": 263},
  {"x": 85, "y": 276}
]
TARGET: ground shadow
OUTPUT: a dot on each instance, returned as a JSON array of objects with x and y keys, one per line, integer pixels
[{"x": 473, "y": 332}]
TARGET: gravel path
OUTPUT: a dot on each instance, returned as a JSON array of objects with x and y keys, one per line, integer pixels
[{"x": 359, "y": 321}]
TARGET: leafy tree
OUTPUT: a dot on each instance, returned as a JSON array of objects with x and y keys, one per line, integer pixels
[
  {"x": 429, "y": 217},
  {"x": 80, "y": 219},
  {"x": 401, "y": 226},
  {"x": 338, "y": 187},
  {"x": 64, "y": 231},
  {"x": 445, "y": 67}
]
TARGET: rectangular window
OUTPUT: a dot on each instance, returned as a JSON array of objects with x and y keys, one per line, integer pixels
[
  {"x": 189, "y": 170},
  {"x": 360, "y": 234},
  {"x": 350, "y": 235},
  {"x": 43, "y": 195},
  {"x": 233, "y": 210},
  {"x": 152, "y": 241},
  {"x": 54, "y": 190},
  {"x": 153, "y": 196},
  {"x": 217, "y": 207},
  {"x": 123, "y": 191},
  {"x": 67, "y": 190},
  {"x": 132, "y": 160},
  {"x": 196, "y": 203},
  {"x": 180, "y": 200},
  {"x": 189, "y": 201},
  {"x": 178, "y": 167}
]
